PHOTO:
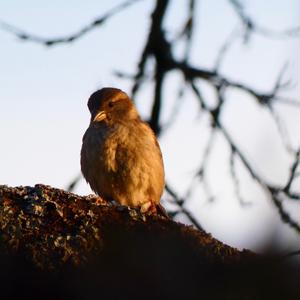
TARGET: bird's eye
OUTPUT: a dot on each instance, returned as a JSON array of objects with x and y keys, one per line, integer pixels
[{"x": 110, "y": 104}]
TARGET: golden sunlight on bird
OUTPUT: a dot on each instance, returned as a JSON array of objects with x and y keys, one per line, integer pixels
[{"x": 120, "y": 156}]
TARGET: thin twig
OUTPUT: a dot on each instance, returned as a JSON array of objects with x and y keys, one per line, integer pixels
[
  {"x": 295, "y": 164},
  {"x": 180, "y": 203},
  {"x": 235, "y": 179},
  {"x": 291, "y": 254},
  {"x": 23, "y": 35},
  {"x": 253, "y": 27},
  {"x": 281, "y": 129},
  {"x": 272, "y": 191},
  {"x": 71, "y": 186},
  {"x": 225, "y": 48},
  {"x": 201, "y": 173}
]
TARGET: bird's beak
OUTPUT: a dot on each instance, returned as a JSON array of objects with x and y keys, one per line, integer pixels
[{"x": 100, "y": 116}]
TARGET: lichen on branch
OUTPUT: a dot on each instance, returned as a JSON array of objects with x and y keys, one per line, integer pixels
[{"x": 53, "y": 227}]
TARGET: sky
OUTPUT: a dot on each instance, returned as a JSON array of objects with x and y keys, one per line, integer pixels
[{"x": 43, "y": 95}]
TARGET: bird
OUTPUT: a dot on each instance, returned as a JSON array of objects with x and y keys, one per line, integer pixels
[{"x": 120, "y": 157}]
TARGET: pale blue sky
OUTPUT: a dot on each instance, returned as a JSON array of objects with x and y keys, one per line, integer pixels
[{"x": 43, "y": 94}]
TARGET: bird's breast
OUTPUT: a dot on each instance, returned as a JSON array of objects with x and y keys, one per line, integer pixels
[{"x": 123, "y": 162}]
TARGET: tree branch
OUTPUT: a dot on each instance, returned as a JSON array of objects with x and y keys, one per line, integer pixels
[
  {"x": 250, "y": 26},
  {"x": 23, "y": 35}
]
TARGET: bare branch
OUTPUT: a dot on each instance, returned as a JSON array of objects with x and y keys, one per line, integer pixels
[
  {"x": 285, "y": 217},
  {"x": 188, "y": 30},
  {"x": 281, "y": 129},
  {"x": 252, "y": 27},
  {"x": 272, "y": 191},
  {"x": 159, "y": 47},
  {"x": 217, "y": 80},
  {"x": 175, "y": 109},
  {"x": 291, "y": 254},
  {"x": 225, "y": 48},
  {"x": 71, "y": 186},
  {"x": 23, "y": 35},
  {"x": 291, "y": 178},
  {"x": 201, "y": 173},
  {"x": 235, "y": 179},
  {"x": 158, "y": 50},
  {"x": 287, "y": 101},
  {"x": 180, "y": 203}
]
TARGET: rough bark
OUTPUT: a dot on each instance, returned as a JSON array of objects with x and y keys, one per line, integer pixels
[{"x": 58, "y": 244}]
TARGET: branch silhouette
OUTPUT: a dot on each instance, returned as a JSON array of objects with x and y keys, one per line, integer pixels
[
  {"x": 23, "y": 35},
  {"x": 158, "y": 51}
]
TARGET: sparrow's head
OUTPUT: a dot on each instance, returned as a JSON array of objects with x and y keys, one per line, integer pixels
[{"x": 111, "y": 105}]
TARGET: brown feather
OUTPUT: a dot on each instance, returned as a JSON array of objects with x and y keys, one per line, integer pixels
[{"x": 120, "y": 156}]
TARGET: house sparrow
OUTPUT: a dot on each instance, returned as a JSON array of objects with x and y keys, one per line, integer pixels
[{"x": 120, "y": 156}]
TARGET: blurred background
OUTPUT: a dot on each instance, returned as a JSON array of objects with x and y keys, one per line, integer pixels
[{"x": 250, "y": 50}]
